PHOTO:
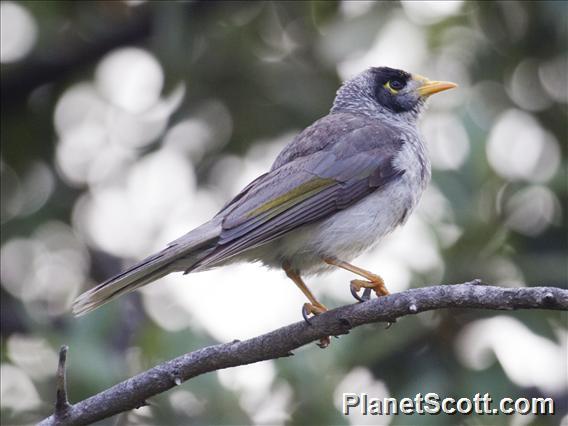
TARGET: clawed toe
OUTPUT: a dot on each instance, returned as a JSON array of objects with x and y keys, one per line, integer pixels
[
  {"x": 378, "y": 286},
  {"x": 312, "y": 309},
  {"x": 324, "y": 342},
  {"x": 315, "y": 309},
  {"x": 372, "y": 282},
  {"x": 355, "y": 287}
]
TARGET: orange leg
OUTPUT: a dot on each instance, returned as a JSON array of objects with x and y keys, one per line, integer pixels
[
  {"x": 374, "y": 282},
  {"x": 314, "y": 307}
]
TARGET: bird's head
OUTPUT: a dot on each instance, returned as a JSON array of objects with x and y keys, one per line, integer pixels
[{"x": 387, "y": 92}]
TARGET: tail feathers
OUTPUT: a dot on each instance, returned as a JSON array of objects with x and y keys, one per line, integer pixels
[
  {"x": 180, "y": 254},
  {"x": 140, "y": 274}
]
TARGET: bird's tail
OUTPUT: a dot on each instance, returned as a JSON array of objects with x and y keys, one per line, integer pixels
[
  {"x": 142, "y": 273},
  {"x": 179, "y": 255}
]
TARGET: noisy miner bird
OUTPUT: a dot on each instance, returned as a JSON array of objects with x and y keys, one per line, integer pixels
[{"x": 334, "y": 191}]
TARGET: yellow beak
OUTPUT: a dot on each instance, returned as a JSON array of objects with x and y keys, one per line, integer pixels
[{"x": 430, "y": 87}]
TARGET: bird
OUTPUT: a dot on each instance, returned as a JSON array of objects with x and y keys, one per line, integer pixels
[{"x": 335, "y": 190}]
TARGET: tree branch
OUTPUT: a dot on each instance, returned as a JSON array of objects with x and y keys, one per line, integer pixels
[
  {"x": 61, "y": 401},
  {"x": 133, "y": 392}
]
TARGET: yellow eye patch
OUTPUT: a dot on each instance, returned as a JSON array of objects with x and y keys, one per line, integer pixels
[{"x": 388, "y": 86}]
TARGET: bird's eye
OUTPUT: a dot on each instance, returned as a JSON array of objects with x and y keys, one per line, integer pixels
[
  {"x": 393, "y": 86},
  {"x": 396, "y": 84}
]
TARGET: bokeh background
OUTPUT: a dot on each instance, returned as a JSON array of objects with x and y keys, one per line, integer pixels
[{"x": 127, "y": 123}]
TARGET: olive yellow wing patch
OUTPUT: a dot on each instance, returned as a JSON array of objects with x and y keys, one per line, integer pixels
[{"x": 293, "y": 197}]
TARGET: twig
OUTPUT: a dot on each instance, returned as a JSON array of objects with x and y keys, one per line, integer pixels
[
  {"x": 61, "y": 402},
  {"x": 134, "y": 392}
]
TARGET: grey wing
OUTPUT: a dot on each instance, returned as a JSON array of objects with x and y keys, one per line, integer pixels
[
  {"x": 308, "y": 189},
  {"x": 321, "y": 135}
]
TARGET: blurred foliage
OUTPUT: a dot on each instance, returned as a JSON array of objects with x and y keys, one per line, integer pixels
[{"x": 252, "y": 74}]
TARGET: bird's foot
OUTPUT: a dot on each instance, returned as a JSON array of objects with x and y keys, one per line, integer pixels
[
  {"x": 375, "y": 283},
  {"x": 312, "y": 309},
  {"x": 372, "y": 282},
  {"x": 324, "y": 342},
  {"x": 315, "y": 309}
]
